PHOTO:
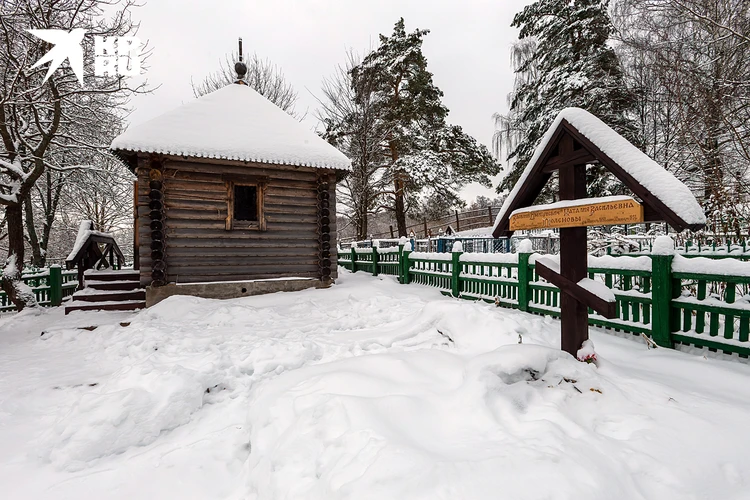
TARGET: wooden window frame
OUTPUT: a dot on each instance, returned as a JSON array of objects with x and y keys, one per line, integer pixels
[{"x": 231, "y": 222}]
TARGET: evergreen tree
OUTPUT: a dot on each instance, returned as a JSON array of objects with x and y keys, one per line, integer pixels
[
  {"x": 568, "y": 63},
  {"x": 428, "y": 159}
]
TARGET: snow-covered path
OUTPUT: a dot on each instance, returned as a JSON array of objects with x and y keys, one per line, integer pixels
[{"x": 366, "y": 390}]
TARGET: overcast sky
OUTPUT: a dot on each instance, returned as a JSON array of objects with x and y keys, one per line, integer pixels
[{"x": 467, "y": 48}]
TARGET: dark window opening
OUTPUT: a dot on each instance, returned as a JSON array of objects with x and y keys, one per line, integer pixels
[{"x": 246, "y": 203}]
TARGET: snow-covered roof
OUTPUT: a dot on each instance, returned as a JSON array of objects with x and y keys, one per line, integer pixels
[
  {"x": 232, "y": 123},
  {"x": 645, "y": 171}
]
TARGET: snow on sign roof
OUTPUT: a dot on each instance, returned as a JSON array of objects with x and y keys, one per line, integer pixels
[
  {"x": 664, "y": 186},
  {"x": 232, "y": 123}
]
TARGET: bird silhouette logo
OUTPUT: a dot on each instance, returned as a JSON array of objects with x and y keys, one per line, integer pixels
[{"x": 67, "y": 45}]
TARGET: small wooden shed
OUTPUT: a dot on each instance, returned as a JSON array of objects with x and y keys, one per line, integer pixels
[{"x": 233, "y": 197}]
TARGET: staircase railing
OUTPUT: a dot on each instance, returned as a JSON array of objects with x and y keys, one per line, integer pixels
[{"x": 93, "y": 250}]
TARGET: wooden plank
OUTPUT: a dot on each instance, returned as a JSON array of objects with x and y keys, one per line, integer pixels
[
  {"x": 603, "y": 307},
  {"x": 208, "y": 164},
  {"x": 241, "y": 253},
  {"x": 242, "y": 244},
  {"x": 287, "y": 231},
  {"x": 195, "y": 204},
  {"x": 240, "y": 277},
  {"x": 574, "y": 327},
  {"x": 279, "y": 218},
  {"x": 179, "y": 214},
  {"x": 237, "y": 270},
  {"x": 211, "y": 184},
  {"x": 577, "y": 157},
  {"x": 194, "y": 265},
  {"x": 593, "y": 214},
  {"x": 185, "y": 169},
  {"x": 287, "y": 201}
]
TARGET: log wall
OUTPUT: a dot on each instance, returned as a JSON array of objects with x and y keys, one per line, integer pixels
[{"x": 200, "y": 249}]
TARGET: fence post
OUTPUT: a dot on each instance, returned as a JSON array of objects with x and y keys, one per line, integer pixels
[
  {"x": 456, "y": 268},
  {"x": 55, "y": 285},
  {"x": 523, "y": 281},
  {"x": 662, "y": 293},
  {"x": 400, "y": 260},
  {"x": 375, "y": 261},
  {"x": 354, "y": 259},
  {"x": 405, "y": 264}
]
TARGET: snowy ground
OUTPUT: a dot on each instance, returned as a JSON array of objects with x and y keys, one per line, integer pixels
[{"x": 353, "y": 392}]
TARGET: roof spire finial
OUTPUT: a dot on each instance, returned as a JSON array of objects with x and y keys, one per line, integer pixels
[{"x": 240, "y": 67}]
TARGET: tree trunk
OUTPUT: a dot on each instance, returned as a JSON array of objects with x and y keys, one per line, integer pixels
[
  {"x": 398, "y": 185},
  {"x": 18, "y": 292},
  {"x": 399, "y": 207},
  {"x": 37, "y": 255},
  {"x": 361, "y": 222}
]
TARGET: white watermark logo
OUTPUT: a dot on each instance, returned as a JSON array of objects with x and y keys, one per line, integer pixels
[{"x": 113, "y": 56}]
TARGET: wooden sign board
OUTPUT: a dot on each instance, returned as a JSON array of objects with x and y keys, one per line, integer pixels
[{"x": 594, "y": 214}]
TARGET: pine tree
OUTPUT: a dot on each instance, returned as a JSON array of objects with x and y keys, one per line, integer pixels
[
  {"x": 568, "y": 63},
  {"x": 427, "y": 157}
]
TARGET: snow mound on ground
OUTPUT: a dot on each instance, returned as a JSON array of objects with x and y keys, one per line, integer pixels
[
  {"x": 121, "y": 416},
  {"x": 369, "y": 389},
  {"x": 354, "y": 427}
]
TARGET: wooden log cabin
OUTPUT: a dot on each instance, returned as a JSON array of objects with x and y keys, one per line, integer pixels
[{"x": 233, "y": 197}]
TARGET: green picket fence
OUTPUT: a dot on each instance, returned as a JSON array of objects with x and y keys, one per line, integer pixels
[
  {"x": 49, "y": 285},
  {"x": 672, "y": 299}
]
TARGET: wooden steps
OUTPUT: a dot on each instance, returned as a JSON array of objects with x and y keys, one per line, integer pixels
[{"x": 109, "y": 291}]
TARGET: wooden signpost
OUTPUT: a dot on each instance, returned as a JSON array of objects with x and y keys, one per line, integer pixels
[
  {"x": 619, "y": 210},
  {"x": 568, "y": 151}
]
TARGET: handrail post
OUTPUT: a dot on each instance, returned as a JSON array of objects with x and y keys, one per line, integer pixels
[
  {"x": 55, "y": 285},
  {"x": 354, "y": 259}
]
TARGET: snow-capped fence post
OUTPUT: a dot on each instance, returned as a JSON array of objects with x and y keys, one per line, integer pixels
[
  {"x": 456, "y": 252},
  {"x": 664, "y": 290},
  {"x": 354, "y": 258},
  {"x": 55, "y": 285},
  {"x": 375, "y": 260},
  {"x": 524, "y": 250}
]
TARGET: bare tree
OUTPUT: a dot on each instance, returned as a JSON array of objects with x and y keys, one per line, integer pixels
[
  {"x": 352, "y": 126},
  {"x": 39, "y": 120},
  {"x": 687, "y": 61},
  {"x": 262, "y": 75},
  {"x": 103, "y": 195}
]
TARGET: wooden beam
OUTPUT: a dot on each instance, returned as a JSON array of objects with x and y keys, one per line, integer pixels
[
  {"x": 651, "y": 215},
  {"x": 577, "y": 157},
  {"x": 574, "y": 318},
  {"x": 573, "y": 289}
]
